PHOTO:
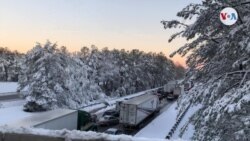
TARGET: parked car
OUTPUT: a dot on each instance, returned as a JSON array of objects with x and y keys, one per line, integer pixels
[
  {"x": 160, "y": 91},
  {"x": 171, "y": 97},
  {"x": 108, "y": 120},
  {"x": 160, "y": 96},
  {"x": 111, "y": 113},
  {"x": 113, "y": 131}
]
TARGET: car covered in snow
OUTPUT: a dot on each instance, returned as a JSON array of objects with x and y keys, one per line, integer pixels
[
  {"x": 113, "y": 131},
  {"x": 108, "y": 120},
  {"x": 111, "y": 113}
]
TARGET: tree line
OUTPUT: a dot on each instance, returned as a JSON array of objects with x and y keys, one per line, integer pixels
[{"x": 55, "y": 77}]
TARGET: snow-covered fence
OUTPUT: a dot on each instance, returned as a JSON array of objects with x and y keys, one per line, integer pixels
[{"x": 32, "y": 134}]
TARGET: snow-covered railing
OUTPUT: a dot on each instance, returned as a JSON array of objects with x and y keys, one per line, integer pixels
[
  {"x": 171, "y": 132},
  {"x": 10, "y": 95},
  {"x": 33, "y": 134}
]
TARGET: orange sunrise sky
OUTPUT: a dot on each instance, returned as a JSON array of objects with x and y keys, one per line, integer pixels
[{"x": 120, "y": 24}]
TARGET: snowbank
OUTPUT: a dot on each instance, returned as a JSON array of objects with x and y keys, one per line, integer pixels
[
  {"x": 68, "y": 135},
  {"x": 7, "y": 87}
]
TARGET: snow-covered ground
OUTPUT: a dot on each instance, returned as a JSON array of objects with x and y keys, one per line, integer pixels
[
  {"x": 7, "y": 87},
  {"x": 160, "y": 127}
]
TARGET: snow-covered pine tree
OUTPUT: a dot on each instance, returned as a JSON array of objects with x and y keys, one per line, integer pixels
[
  {"x": 54, "y": 78},
  {"x": 43, "y": 73},
  {"x": 215, "y": 50},
  {"x": 213, "y": 44},
  {"x": 9, "y": 64}
]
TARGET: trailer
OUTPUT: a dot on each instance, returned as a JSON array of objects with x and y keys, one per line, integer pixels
[
  {"x": 55, "y": 120},
  {"x": 86, "y": 121},
  {"x": 134, "y": 111},
  {"x": 178, "y": 90},
  {"x": 58, "y": 119},
  {"x": 169, "y": 87}
]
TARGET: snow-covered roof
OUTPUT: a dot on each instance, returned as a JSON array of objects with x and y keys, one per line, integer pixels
[
  {"x": 112, "y": 129},
  {"x": 38, "y": 118},
  {"x": 139, "y": 99}
]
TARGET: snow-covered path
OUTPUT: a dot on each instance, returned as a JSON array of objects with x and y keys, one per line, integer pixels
[{"x": 160, "y": 126}]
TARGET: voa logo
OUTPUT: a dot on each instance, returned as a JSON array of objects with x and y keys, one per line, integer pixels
[{"x": 228, "y": 16}]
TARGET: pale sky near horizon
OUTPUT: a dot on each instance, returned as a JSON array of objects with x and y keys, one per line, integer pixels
[{"x": 128, "y": 24}]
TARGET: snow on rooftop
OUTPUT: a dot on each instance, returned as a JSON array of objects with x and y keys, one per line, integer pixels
[
  {"x": 139, "y": 99},
  {"x": 112, "y": 129},
  {"x": 41, "y": 117},
  {"x": 16, "y": 116},
  {"x": 11, "y": 114}
]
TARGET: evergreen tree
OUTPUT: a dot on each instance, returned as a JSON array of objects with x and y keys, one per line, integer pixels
[{"x": 215, "y": 50}]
